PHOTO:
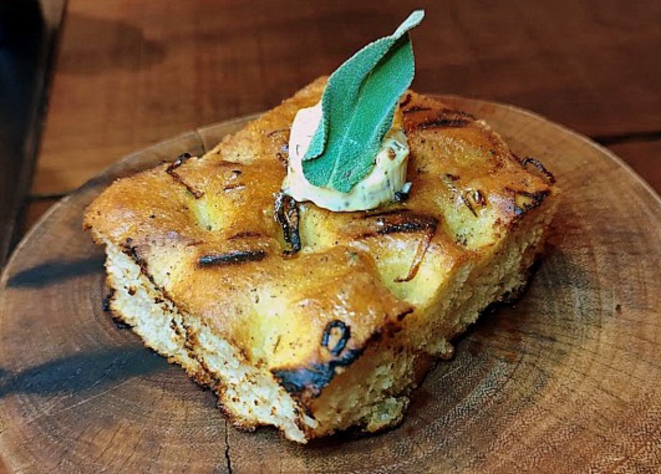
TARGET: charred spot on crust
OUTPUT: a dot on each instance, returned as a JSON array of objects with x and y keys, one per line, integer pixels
[
  {"x": 282, "y": 159},
  {"x": 402, "y": 221},
  {"x": 539, "y": 166},
  {"x": 460, "y": 113},
  {"x": 287, "y": 215},
  {"x": 245, "y": 235},
  {"x": 415, "y": 108},
  {"x": 402, "y": 196},
  {"x": 406, "y": 100},
  {"x": 345, "y": 334},
  {"x": 231, "y": 258},
  {"x": 443, "y": 123},
  {"x": 447, "y": 118},
  {"x": 468, "y": 204},
  {"x": 535, "y": 199},
  {"x": 277, "y": 344},
  {"x": 107, "y": 301},
  {"x": 315, "y": 377},
  {"x": 389, "y": 212},
  {"x": 132, "y": 251},
  {"x": 538, "y": 196},
  {"x": 115, "y": 317},
  {"x": 479, "y": 198},
  {"x": 120, "y": 323},
  {"x": 473, "y": 199},
  {"x": 403, "y": 314},
  {"x": 181, "y": 159},
  {"x": 234, "y": 186}
]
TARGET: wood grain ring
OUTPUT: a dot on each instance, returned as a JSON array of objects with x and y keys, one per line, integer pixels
[{"x": 568, "y": 380}]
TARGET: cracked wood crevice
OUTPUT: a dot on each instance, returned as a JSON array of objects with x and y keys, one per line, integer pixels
[
  {"x": 228, "y": 459},
  {"x": 627, "y": 137}
]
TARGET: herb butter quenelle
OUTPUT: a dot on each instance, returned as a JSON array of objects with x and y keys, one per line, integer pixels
[{"x": 311, "y": 266}]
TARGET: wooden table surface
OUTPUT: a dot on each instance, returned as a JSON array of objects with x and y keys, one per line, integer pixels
[{"x": 132, "y": 73}]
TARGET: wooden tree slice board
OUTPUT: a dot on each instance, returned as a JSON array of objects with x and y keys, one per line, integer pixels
[{"x": 566, "y": 381}]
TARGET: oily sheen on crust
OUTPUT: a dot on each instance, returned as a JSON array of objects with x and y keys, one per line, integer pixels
[{"x": 310, "y": 320}]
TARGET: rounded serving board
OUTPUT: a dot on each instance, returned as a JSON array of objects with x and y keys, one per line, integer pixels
[{"x": 567, "y": 380}]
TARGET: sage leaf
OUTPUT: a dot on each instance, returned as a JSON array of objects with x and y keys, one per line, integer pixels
[{"x": 358, "y": 105}]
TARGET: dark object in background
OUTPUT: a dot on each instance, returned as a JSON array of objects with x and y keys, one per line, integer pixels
[
  {"x": 27, "y": 44},
  {"x": 17, "y": 15}
]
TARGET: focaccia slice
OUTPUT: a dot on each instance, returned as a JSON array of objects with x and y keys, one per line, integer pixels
[{"x": 305, "y": 319}]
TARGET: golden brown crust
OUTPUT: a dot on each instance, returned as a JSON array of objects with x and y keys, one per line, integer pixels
[{"x": 205, "y": 231}]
